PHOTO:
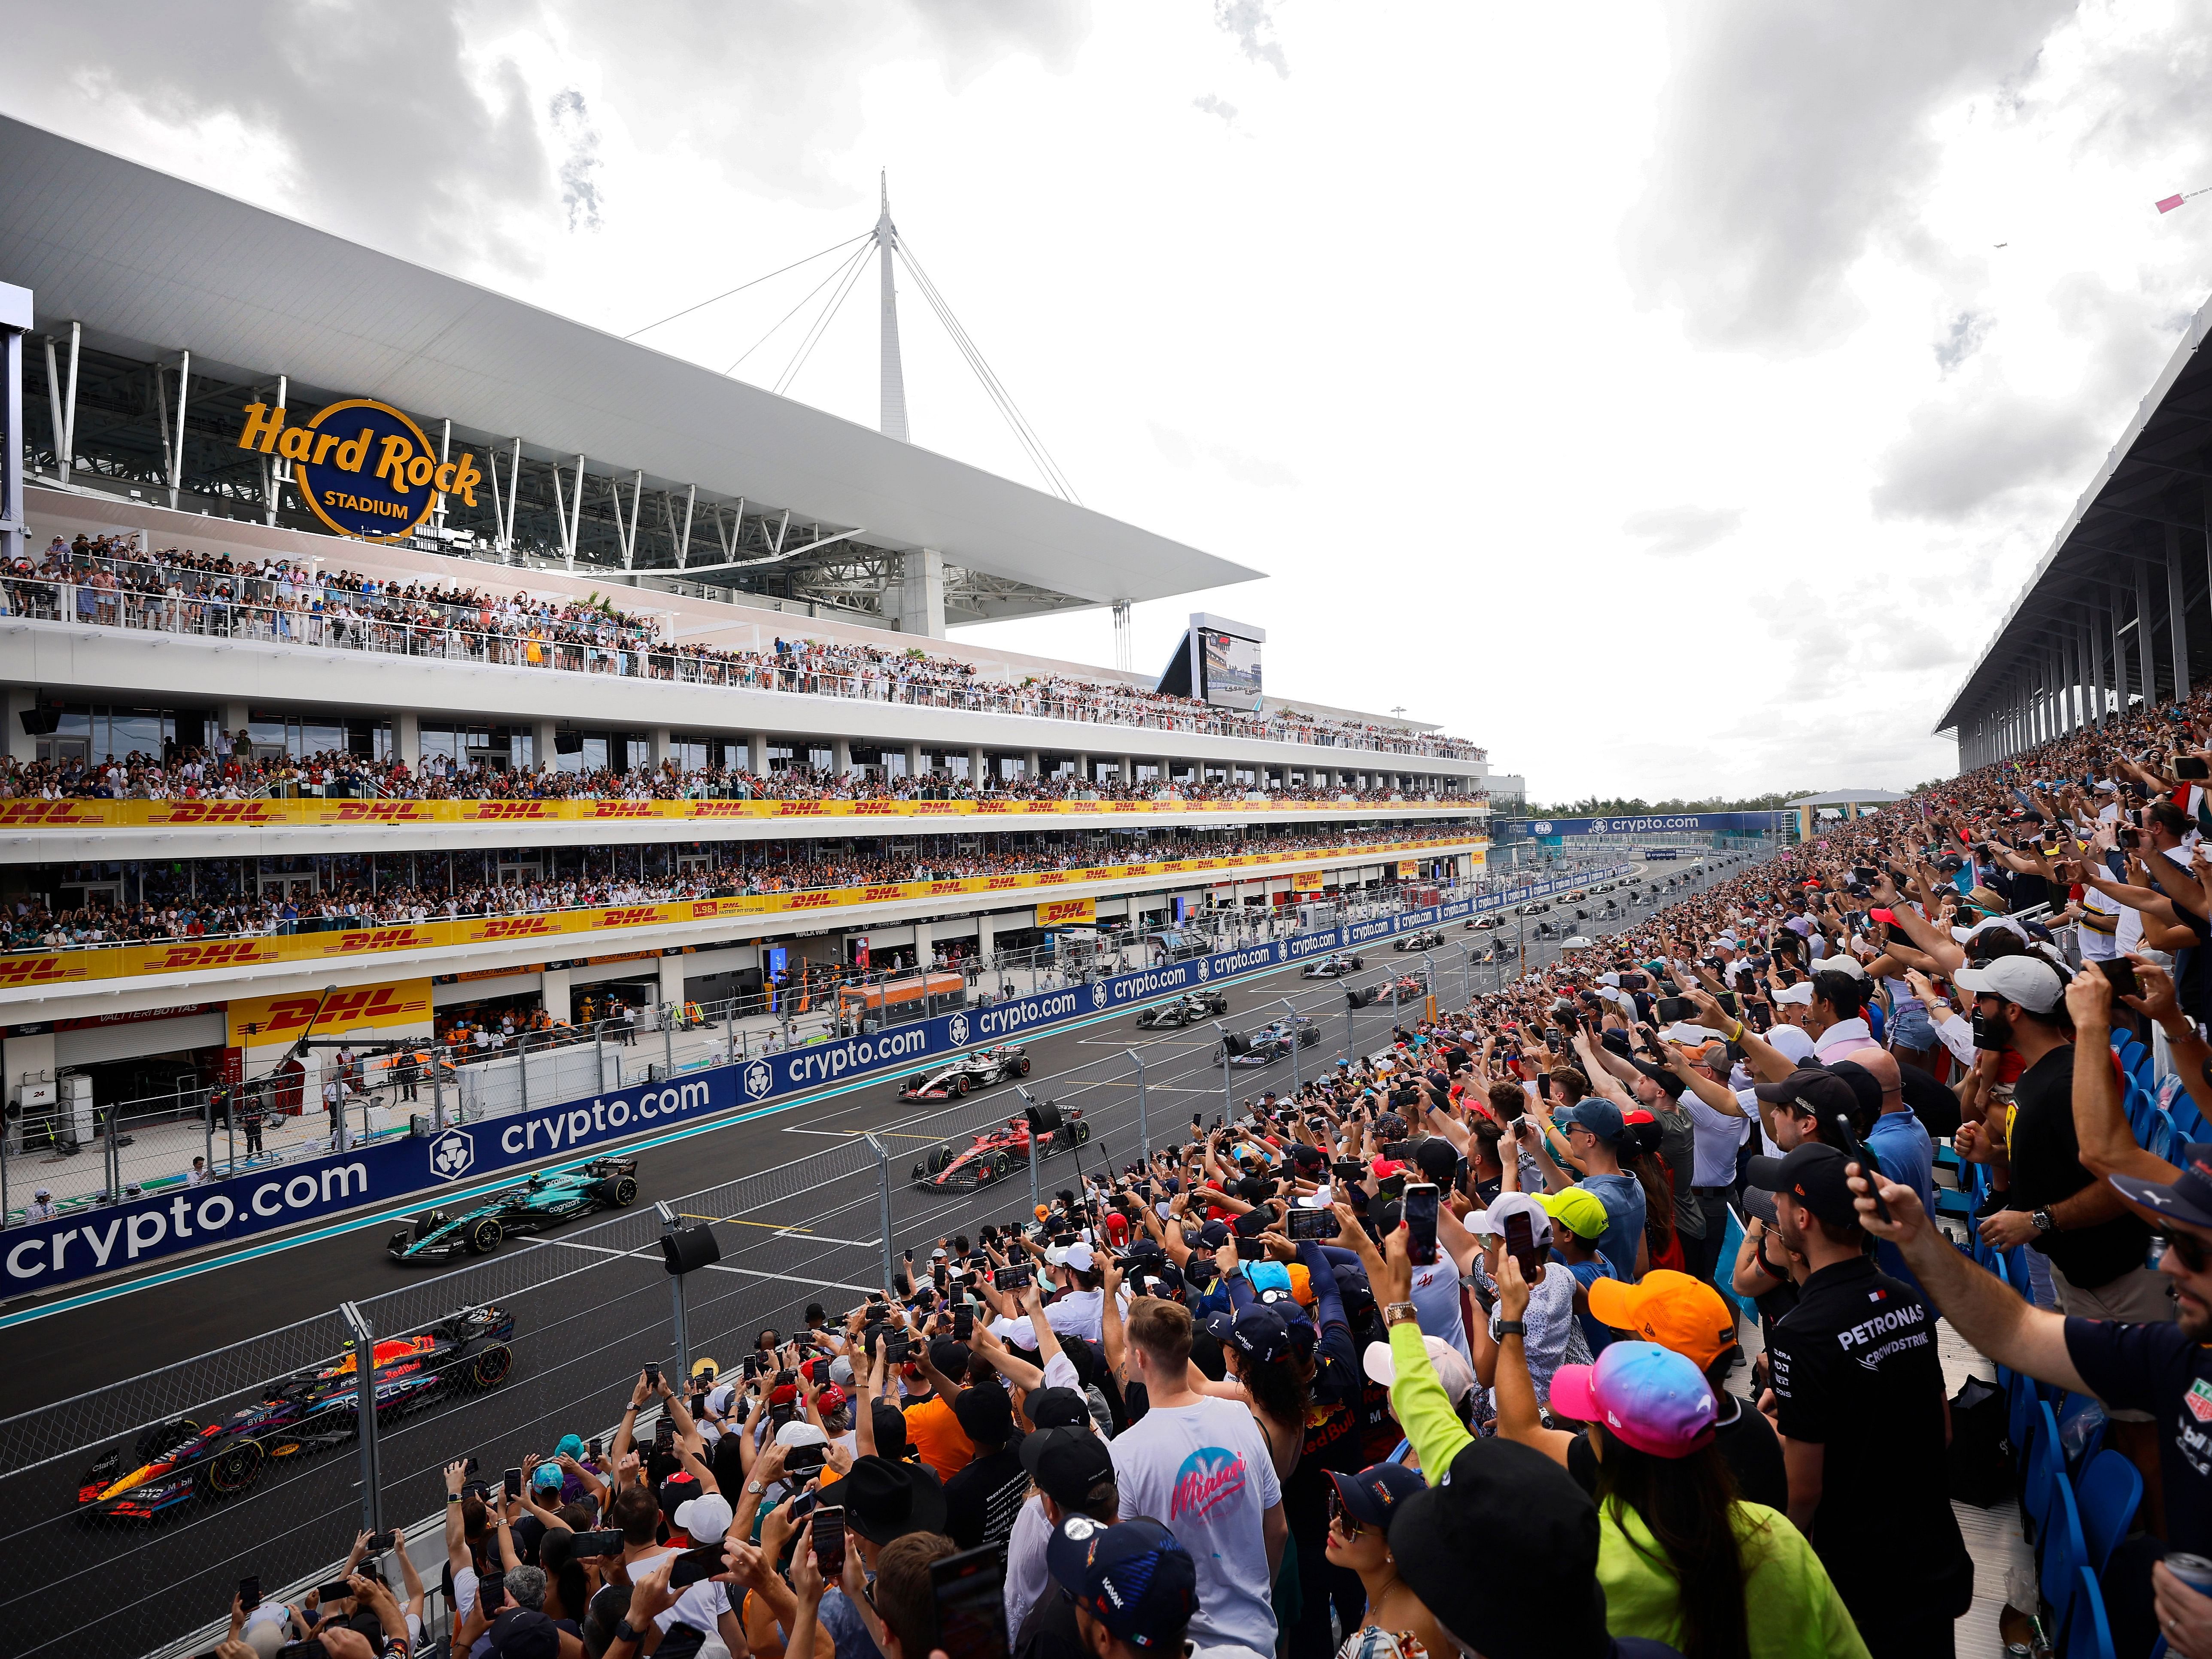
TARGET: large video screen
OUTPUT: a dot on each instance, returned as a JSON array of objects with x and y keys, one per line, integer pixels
[{"x": 1232, "y": 670}]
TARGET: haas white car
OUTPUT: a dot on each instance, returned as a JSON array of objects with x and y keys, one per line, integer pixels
[
  {"x": 1335, "y": 965},
  {"x": 956, "y": 1079}
]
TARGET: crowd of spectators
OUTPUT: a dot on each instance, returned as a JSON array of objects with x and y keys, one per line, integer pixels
[
  {"x": 109, "y": 582},
  {"x": 750, "y": 868},
  {"x": 230, "y": 770}
]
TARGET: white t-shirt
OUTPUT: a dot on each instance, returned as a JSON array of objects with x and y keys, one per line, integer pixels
[
  {"x": 1026, "y": 1574},
  {"x": 2096, "y": 946},
  {"x": 1203, "y": 1471}
]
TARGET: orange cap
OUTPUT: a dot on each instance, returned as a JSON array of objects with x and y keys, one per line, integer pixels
[{"x": 1676, "y": 1311}]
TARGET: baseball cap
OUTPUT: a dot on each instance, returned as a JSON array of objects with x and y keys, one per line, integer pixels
[
  {"x": 1214, "y": 1235},
  {"x": 1653, "y": 1398},
  {"x": 1493, "y": 1220},
  {"x": 1843, "y": 963},
  {"x": 950, "y": 1355},
  {"x": 2031, "y": 982},
  {"x": 571, "y": 1445},
  {"x": 1676, "y": 1311},
  {"x": 886, "y": 1499},
  {"x": 705, "y": 1518},
  {"x": 1372, "y": 1496},
  {"x": 1814, "y": 1175},
  {"x": 1076, "y": 1256},
  {"x": 1384, "y": 1167},
  {"x": 829, "y": 1398},
  {"x": 1070, "y": 1465},
  {"x": 1503, "y": 1550},
  {"x": 1865, "y": 1087},
  {"x": 1799, "y": 995},
  {"x": 1258, "y": 1333},
  {"x": 800, "y": 1432},
  {"x": 1579, "y": 1210},
  {"x": 1438, "y": 1159},
  {"x": 1058, "y": 1408},
  {"x": 1134, "y": 1578},
  {"x": 1267, "y": 1276},
  {"x": 2187, "y": 1199},
  {"x": 1812, "y": 1089},
  {"x": 1451, "y": 1366},
  {"x": 1600, "y": 1116},
  {"x": 546, "y": 1477},
  {"x": 986, "y": 1415},
  {"x": 2004, "y": 924}
]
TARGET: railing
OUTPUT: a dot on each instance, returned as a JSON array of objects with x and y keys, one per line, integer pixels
[{"x": 154, "y": 596}]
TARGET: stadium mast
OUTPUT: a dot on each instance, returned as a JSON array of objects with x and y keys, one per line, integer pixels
[{"x": 891, "y": 420}]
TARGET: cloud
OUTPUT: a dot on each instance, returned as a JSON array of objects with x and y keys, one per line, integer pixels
[
  {"x": 1789, "y": 138},
  {"x": 1252, "y": 24},
  {"x": 1210, "y": 104},
  {"x": 580, "y": 189},
  {"x": 1961, "y": 340},
  {"x": 389, "y": 130},
  {"x": 1677, "y": 533}
]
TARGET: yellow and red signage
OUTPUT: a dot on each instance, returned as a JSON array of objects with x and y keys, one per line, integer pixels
[
  {"x": 377, "y": 1011},
  {"x": 1068, "y": 913}
]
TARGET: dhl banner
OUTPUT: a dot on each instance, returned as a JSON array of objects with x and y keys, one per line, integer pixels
[
  {"x": 1068, "y": 913},
  {"x": 29, "y": 967},
  {"x": 1306, "y": 881},
  {"x": 1409, "y": 869},
  {"x": 387, "y": 1011},
  {"x": 318, "y": 813}
]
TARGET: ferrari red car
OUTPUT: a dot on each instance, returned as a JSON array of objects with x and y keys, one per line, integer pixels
[{"x": 996, "y": 1153}]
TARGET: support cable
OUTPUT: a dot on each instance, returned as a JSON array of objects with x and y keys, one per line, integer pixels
[
  {"x": 860, "y": 257},
  {"x": 742, "y": 287},
  {"x": 821, "y": 325}
]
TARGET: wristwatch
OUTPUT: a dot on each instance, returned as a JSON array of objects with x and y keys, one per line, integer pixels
[
  {"x": 2045, "y": 1222},
  {"x": 1511, "y": 1328},
  {"x": 625, "y": 1633},
  {"x": 1397, "y": 1313},
  {"x": 754, "y": 1487}
]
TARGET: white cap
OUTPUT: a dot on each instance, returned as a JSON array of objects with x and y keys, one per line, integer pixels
[
  {"x": 1793, "y": 1041},
  {"x": 1451, "y": 1367},
  {"x": 2031, "y": 982},
  {"x": 800, "y": 1432},
  {"x": 1799, "y": 995},
  {"x": 1076, "y": 1256},
  {"x": 705, "y": 1518},
  {"x": 1962, "y": 934},
  {"x": 1842, "y": 962},
  {"x": 1493, "y": 1220}
]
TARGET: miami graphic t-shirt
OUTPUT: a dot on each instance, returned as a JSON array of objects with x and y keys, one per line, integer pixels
[{"x": 1203, "y": 1470}]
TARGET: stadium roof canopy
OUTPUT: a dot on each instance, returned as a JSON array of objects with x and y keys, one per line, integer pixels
[
  {"x": 2118, "y": 586},
  {"x": 152, "y": 267}
]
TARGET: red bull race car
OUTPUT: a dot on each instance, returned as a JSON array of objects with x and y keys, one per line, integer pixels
[
  {"x": 979, "y": 1070},
  {"x": 173, "y": 1461},
  {"x": 997, "y": 1152},
  {"x": 1406, "y": 988}
]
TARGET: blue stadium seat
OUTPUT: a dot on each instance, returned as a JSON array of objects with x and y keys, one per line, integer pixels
[
  {"x": 2062, "y": 1556},
  {"x": 2087, "y": 1634},
  {"x": 2042, "y": 1466},
  {"x": 2080, "y": 1456},
  {"x": 2162, "y": 1139},
  {"x": 2107, "y": 1493}
]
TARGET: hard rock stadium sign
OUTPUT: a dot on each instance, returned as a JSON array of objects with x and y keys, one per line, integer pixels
[{"x": 362, "y": 467}]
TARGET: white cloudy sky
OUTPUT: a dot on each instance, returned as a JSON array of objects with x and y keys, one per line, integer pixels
[{"x": 1666, "y": 396}]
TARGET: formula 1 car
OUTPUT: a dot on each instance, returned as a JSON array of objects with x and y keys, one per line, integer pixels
[
  {"x": 549, "y": 1196},
  {"x": 1479, "y": 924},
  {"x": 1427, "y": 941},
  {"x": 309, "y": 1411},
  {"x": 954, "y": 1080},
  {"x": 996, "y": 1153},
  {"x": 1332, "y": 967},
  {"x": 1269, "y": 1043},
  {"x": 1183, "y": 1011}
]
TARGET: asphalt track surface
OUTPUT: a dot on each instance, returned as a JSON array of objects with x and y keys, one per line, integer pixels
[{"x": 592, "y": 1303}]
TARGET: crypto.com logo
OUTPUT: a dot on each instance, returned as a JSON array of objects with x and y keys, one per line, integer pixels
[{"x": 452, "y": 1154}]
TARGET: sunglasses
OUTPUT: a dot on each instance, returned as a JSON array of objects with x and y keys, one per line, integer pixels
[
  {"x": 2191, "y": 1249},
  {"x": 1340, "y": 1518}
]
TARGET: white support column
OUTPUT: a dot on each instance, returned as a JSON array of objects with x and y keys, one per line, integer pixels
[
  {"x": 542, "y": 752},
  {"x": 840, "y": 756},
  {"x": 922, "y": 947},
  {"x": 276, "y": 472},
  {"x": 977, "y": 775},
  {"x": 445, "y": 454},
  {"x": 2146, "y": 639},
  {"x": 514, "y": 500},
  {"x": 2119, "y": 657},
  {"x": 663, "y": 741},
  {"x": 671, "y": 980},
  {"x": 756, "y": 746},
  {"x": 407, "y": 737},
  {"x": 177, "y": 450},
  {"x": 921, "y": 593},
  {"x": 986, "y": 937},
  {"x": 65, "y": 404},
  {"x": 2178, "y": 612},
  {"x": 914, "y": 760},
  {"x": 553, "y": 988},
  {"x": 683, "y": 535}
]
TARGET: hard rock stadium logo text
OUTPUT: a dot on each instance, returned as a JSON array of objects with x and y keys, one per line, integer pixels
[{"x": 362, "y": 467}]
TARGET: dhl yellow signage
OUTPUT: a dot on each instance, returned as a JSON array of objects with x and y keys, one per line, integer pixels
[
  {"x": 1306, "y": 881},
  {"x": 362, "y": 467},
  {"x": 1068, "y": 913},
  {"x": 25, "y": 969},
  {"x": 379, "y": 1010},
  {"x": 321, "y": 814}
]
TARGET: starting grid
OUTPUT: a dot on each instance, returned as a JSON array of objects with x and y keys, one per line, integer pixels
[{"x": 47, "y": 1254}]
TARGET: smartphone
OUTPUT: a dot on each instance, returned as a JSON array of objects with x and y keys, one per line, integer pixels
[
  {"x": 1252, "y": 1222},
  {"x": 829, "y": 1541},
  {"x": 1347, "y": 1170},
  {"x": 663, "y": 1432},
  {"x": 1672, "y": 1009},
  {"x": 1249, "y": 1249},
  {"x": 2191, "y": 766},
  {"x": 1397, "y": 1150},
  {"x": 653, "y": 1377},
  {"x": 693, "y": 1566},
  {"x": 804, "y": 1459},
  {"x": 898, "y": 1349},
  {"x": 1847, "y": 1138},
  {"x": 1319, "y": 1225},
  {"x": 336, "y": 1590},
  {"x": 249, "y": 1593},
  {"x": 1521, "y": 1242},
  {"x": 971, "y": 1606},
  {"x": 1420, "y": 1213},
  {"x": 513, "y": 1479},
  {"x": 1010, "y": 1278},
  {"x": 380, "y": 1541},
  {"x": 964, "y": 1322},
  {"x": 2120, "y": 974},
  {"x": 1762, "y": 1016},
  {"x": 471, "y": 1467},
  {"x": 1728, "y": 1002},
  {"x": 597, "y": 1543},
  {"x": 592, "y": 1448},
  {"x": 1543, "y": 1086}
]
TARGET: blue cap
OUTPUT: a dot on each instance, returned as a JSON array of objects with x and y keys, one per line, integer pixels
[
  {"x": 1599, "y": 1115},
  {"x": 1267, "y": 1276},
  {"x": 1372, "y": 1496},
  {"x": 571, "y": 1446},
  {"x": 547, "y": 1477},
  {"x": 1134, "y": 1578}
]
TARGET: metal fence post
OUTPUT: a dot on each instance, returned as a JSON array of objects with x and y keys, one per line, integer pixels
[
  {"x": 522, "y": 1070},
  {"x": 667, "y": 1040},
  {"x": 1297, "y": 1083},
  {"x": 676, "y": 1305},
  {"x": 437, "y": 1090},
  {"x": 1144, "y": 1131},
  {"x": 1228, "y": 1089},
  {"x": 599, "y": 1061},
  {"x": 364, "y": 1410},
  {"x": 207, "y": 1138},
  {"x": 884, "y": 1208}
]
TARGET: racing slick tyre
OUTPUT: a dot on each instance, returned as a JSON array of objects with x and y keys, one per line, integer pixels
[
  {"x": 1022, "y": 1066},
  {"x": 1082, "y": 1132},
  {"x": 483, "y": 1236},
  {"x": 999, "y": 1167},
  {"x": 160, "y": 1437},
  {"x": 1357, "y": 963},
  {"x": 939, "y": 1158},
  {"x": 232, "y": 1469},
  {"x": 487, "y": 1367},
  {"x": 620, "y": 1191},
  {"x": 960, "y": 1087}
]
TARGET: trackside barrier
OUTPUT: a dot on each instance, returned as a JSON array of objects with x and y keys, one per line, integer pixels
[
  {"x": 589, "y": 1307},
  {"x": 447, "y": 1166}
]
